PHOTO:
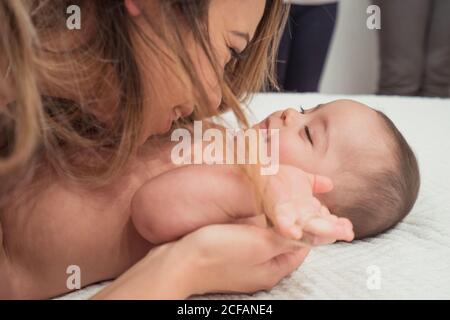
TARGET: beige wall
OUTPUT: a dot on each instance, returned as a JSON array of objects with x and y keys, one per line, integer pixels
[{"x": 352, "y": 63}]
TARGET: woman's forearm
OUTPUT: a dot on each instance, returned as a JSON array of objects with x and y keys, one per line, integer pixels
[{"x": 160, "y": 275}]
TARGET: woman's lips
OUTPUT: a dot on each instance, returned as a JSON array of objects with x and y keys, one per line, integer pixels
[
  {"x": 168, "y": 126},
  {"x": 177, "y": 114}
]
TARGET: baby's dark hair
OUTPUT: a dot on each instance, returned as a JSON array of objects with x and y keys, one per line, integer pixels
[{"x": 380, "y": 198}]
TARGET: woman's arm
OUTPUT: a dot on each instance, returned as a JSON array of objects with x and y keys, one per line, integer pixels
[
  {"x": 190, "y": 266},
  {"x": 160, "y": 275}
]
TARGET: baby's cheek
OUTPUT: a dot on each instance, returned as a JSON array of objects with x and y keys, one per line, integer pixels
[
  {"x": 289, "y": 153},
  {"x": 296, "y": 154}
]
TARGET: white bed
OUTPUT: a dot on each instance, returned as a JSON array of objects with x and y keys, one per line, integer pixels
[{"x": 413, "y": 259}]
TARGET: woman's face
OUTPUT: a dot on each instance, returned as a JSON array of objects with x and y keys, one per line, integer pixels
[{"x": 167, "y": 96}]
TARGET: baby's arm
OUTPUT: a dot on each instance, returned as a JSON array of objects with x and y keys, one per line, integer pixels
[{"x": 187, "y": 198}]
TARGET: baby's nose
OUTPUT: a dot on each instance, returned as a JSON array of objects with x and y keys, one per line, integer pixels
[{"x": 288, "y": 115}]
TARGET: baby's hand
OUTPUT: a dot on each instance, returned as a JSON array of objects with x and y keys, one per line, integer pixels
[{"x": 296, "y": 213}]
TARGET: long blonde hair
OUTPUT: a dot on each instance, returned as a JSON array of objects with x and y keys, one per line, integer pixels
[{"x": 39, "y": 128}]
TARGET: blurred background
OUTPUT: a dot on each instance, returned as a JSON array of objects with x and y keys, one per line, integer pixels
[{"x": 327, "y": 47}]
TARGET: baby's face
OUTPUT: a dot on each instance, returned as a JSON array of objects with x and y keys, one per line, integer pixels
[{"x": 323, "y": 138}]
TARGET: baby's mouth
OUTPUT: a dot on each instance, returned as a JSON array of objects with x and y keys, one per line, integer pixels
[
  {"x": 265, "y": 124},
  {"x": 265, "y": 127}
]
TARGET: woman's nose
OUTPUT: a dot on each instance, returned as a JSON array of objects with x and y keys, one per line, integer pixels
[{"x": 183, "y": 111}]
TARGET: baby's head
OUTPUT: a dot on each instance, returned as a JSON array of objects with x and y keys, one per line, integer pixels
[{"x": 374, "y": 171}]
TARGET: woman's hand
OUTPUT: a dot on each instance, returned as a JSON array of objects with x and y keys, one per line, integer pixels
[
  {"x": 215, "y": 258},
  {"x": 238, "y": 258}
]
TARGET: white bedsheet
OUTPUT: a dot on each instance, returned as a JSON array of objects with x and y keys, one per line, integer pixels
[{"x": 414, "y": 258}]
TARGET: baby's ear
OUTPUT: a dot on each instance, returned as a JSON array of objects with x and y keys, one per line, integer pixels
[{"x": 320, "y": 184}]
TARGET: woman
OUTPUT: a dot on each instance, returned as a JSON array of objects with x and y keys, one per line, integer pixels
[{"x": 78, "y": 105}]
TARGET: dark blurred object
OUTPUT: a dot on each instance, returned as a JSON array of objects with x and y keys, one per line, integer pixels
[
  {"x": 304, "y": 46},
  {"x": 414, "y": 47}
]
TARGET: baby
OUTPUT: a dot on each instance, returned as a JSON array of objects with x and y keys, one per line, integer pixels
[{"x": 373, "y": 170}]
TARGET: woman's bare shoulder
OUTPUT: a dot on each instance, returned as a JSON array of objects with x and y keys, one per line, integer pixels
[{"x": 7, "y": 290}]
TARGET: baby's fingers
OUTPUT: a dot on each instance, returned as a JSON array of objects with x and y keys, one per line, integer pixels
[
  {"x": 324, "y": 228},
  {"x": 290, "y": 217},
  {"x": 343, "y": 222},
  {"x": 313, "y": 240},
  {"x": 286, "y": 222},
  {"x": 348, "y": 226}
]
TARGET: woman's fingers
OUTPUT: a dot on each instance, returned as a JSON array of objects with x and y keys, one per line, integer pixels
[
  {"x": 247, "y": 257},
  {"x": 264, "y": 243},
  {"x": 290, "y": 261},
  {"x": 277, "y": 244},
  {"x": 282, "y": 265},
  {"x": 271, "y": 244}
]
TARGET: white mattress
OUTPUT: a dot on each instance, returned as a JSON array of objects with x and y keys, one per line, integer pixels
[{"x": 413, "y": 259}]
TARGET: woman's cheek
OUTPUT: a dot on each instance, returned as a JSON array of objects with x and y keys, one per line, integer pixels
[{"x": 210, "y": 81}]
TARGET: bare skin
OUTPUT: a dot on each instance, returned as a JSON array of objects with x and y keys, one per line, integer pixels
[
  {"x": 105, "y": 242},
  {"x": 318, "y": 140},
  {"x": 70, "y": 225},
  {"x": 93, "y": 230},
  {"x": 113, "y": 233}
]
